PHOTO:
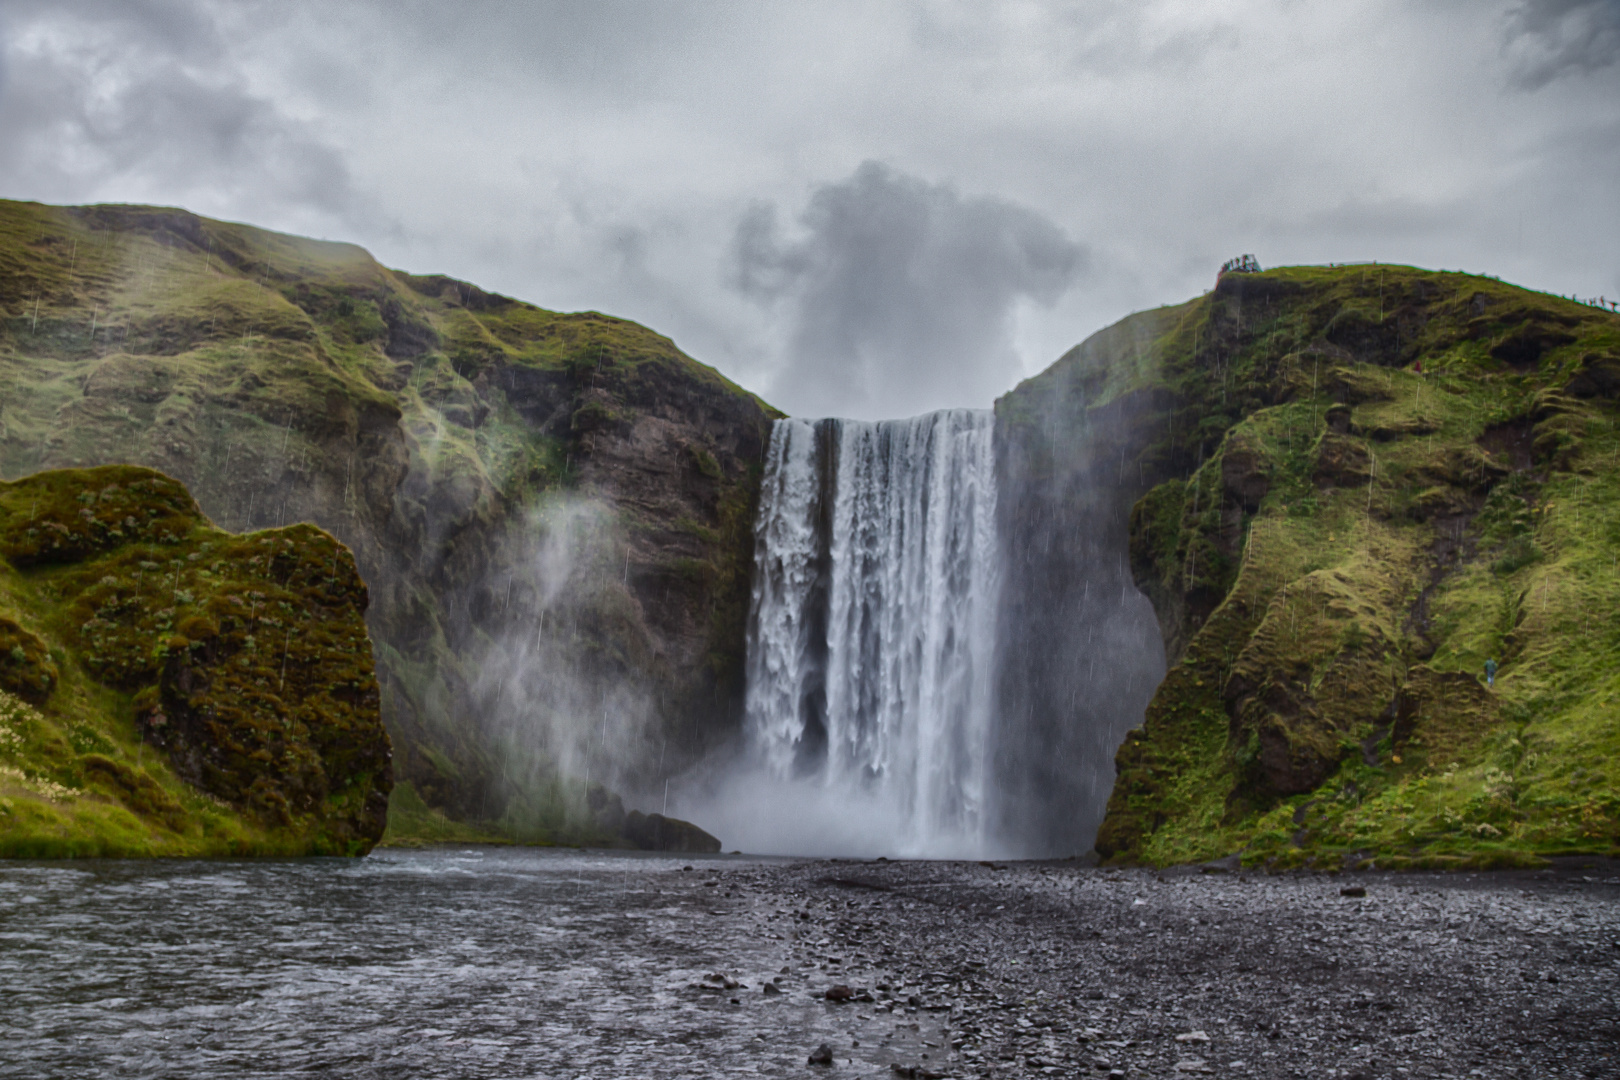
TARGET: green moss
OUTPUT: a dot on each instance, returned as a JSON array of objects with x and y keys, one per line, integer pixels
[
  {"x": 413, "y": 823},
  {"x": 1326, "y": 703},
  {"x": 419, "y": 418},
  {"x": 216, "y": 694}
]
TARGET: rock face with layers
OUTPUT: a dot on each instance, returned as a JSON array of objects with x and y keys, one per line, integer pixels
[
  {"x": 520, "y": 488},
  {"x": 214, "y": 695},
  {"x": 1334, "y": 543}
]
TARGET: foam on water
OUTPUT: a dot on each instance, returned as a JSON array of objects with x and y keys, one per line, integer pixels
[{"x": 872, "y": 637}]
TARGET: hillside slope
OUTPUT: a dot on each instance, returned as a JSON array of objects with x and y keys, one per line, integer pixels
[
  {"x": 167, "y": 688},
  {"x": 1349, "y": 488},
  {"x": 553, "y": 511}
]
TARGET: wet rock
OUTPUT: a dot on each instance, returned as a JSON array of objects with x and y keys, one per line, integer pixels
[
  {"x": 1245, "y": 474},
  {"x": 839, "y": 993},
  {"x": 772, "y": 990},
  {"x": 1341, "y": 461},
  {"x": 1354, "y": 891},
  {"x": 606, "y": 808},
  {"x": 655, "y": 832},
  {"x": 821, "y": 1055}
]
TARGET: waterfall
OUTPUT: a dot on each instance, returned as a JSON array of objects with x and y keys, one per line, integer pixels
[{"x": 872, "y": 633}]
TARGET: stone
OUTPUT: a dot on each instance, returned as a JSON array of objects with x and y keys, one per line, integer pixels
[
  {"x": 1193, "y": 1037},
  {"x": 839, "y": 993},
  {"x": 1353, "y": 891},
  {"x": 772, "y": 990},
  {"x": 821, "y": 1055},
  {"x": 655, "y": 832}
]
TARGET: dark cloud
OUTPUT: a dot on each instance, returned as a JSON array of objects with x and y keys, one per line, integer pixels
[
  {"x": 144, "y": 95},
  {"x": 1552, "y": 38},
  {"x": 595, "y": 154},
  {"x": 901, "y": 291}
]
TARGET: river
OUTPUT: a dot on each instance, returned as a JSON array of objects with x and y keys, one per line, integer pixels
[{"x": 556, "y": 963}]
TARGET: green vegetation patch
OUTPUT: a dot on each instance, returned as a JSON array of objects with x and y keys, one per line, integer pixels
[
  {"x": 1362, "y": 484},
  {"x": 176, "y": 689}
]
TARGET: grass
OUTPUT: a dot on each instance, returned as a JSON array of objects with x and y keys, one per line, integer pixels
[
  {"x": 420, "y": 420},
  {"x": 175, "y": 689},
  {"x": 1326, "y": 703}
]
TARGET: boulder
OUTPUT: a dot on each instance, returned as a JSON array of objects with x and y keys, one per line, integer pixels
[{"x": 655, "y": 832}]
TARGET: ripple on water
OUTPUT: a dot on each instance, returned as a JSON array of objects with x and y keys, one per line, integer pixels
[{"x": 421, "y": 963}]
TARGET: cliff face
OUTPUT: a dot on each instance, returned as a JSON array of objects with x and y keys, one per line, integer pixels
[
  {"x": 1349, "y": 488},
  {"x": 553, "y": 511},
  {"x": 167, "y": 688}
]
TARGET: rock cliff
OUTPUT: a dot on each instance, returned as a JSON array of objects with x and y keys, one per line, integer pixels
[
  {"x": 1344, "y": 490},
  {"x": 167, "y": 688},
  {"x": 553, "y": 511}
]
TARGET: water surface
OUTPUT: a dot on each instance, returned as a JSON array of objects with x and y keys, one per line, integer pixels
[{"x": 482, "y": 962}]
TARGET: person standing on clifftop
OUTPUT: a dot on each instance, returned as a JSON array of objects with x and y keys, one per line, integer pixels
[{"x": 1490, "y": 672}]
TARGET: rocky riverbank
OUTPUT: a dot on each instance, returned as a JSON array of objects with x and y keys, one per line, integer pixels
[
  {"x": 524, "y": 962},
  {"x": 992, "y": 970}
]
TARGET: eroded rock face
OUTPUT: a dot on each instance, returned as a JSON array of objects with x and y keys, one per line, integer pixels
[
  {"x": 247, "y": 658},
  {"x": 431, "y": 427},
  {"x": 267, "y": 698},
  {"x": 1335, "y": 541},
  {"x": 655, "y": 832}
]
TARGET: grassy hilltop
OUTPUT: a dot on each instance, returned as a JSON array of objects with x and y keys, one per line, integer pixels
[
  {"x": 167, "y": 688},
  {"x": 512, "y": 481},
  {"x": 1352, "y": 487}
]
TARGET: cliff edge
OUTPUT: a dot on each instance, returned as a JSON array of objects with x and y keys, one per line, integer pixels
[
  {"x": 553, "y": 510},
  {"x": 1345, "y": 490},
  {"x": 168, "y": 688}
]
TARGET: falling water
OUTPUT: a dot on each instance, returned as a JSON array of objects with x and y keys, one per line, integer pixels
[{"x": 871, "y": 647}]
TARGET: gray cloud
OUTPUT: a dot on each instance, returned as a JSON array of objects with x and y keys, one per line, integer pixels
[
  {"x": 145, "y": 96},
  {"x": 900, "y": 291},
  {"x": 1552, "y": 38},
  {"x": 600, "y": 154}
]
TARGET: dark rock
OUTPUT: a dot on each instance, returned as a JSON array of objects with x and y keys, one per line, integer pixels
[
  {"x": 26, "y": 667},
  {"x": 1597, "y": 377},
  {"x": 655, "y": 832},
  {"x": 771, "y": 989},
  {"x": 1353, "y": 891},
  {"x": 1523, "y": 348},
  {"x": 1245, "y": 475},
  {"x": 1341, "y": 461},
  {"x": 839, "y": 993},
  {"x": 821, "y": 1055},
  {"x": 606, "y": 808}
]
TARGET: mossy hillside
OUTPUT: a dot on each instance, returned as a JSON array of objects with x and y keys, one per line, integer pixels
[
  {"x": 1335, "y": 543},
  {"x": 191, "y": 692},
  {"x": 425, "y": 423}
]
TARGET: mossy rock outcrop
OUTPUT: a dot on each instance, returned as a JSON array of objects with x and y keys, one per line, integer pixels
[
  {"x": 512, "y": 481},
  {"x": 175, "y": 689},
  {"x": 1349, "y": 488}
]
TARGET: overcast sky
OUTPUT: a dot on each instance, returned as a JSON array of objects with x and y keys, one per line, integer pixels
[{"x": 866, "y": 209}]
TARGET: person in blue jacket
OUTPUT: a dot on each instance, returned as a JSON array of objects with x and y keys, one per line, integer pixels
[{"x": 1490, "y": 672}]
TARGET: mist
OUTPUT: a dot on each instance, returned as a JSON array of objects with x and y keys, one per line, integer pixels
[{"x": 898, "y": 296}]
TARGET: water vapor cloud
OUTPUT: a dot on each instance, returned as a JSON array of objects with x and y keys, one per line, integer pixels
[{"x": 899, "y": 291}]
